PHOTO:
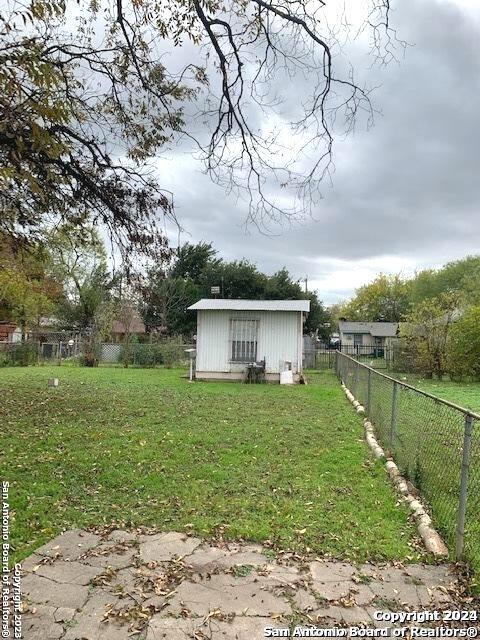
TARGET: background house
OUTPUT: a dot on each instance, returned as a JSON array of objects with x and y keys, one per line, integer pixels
[
  {"x": 234, "y": 333},
  {"x": 128, "y": 324},
  {"x": 10, "y": 332},
  {"x": 365, "y": 337}
]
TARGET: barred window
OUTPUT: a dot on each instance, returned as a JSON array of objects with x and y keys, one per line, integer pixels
[{"x": 244, "y": 339}]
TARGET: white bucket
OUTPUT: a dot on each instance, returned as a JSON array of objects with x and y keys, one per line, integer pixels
[{"x": 286, "y": 377}]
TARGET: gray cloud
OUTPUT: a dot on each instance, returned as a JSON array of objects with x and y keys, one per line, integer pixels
[{"x": 405, "y": 194}]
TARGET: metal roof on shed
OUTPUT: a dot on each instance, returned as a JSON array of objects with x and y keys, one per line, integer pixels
[{"x": 221, "y": 304}]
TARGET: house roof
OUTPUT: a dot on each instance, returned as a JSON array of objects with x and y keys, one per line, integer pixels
[
  {"x": 221, "y": 304},
  {"x": 135, "y": 326},
  {"x": 48, "y": 321},
  {"x": 378, "y": 329}
]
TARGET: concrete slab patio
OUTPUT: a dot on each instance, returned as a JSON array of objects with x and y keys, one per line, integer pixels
[{"x": 170, "y": 586}]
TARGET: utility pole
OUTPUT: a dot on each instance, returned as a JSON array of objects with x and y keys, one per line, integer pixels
[{"x": 305, "y": 280}]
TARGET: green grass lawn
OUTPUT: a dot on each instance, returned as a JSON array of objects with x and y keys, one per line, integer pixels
[
  {"x": 144, "y": 447},
  {"x": 426, "y": 441},
  {"x": 465, "y": 394}
]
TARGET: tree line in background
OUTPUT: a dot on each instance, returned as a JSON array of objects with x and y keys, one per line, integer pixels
[
  {"x": 439, "y": 312},
  {"x": 66, "y": 279},
  {"x": 166, "y": 292},
  {"x": 66, "y": 284}
]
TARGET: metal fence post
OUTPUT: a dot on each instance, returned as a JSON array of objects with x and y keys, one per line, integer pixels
[
  {"x": 369, "y": 390},
  {"x": 462, "y": 504},
  {"x": 393, "y": 425}
]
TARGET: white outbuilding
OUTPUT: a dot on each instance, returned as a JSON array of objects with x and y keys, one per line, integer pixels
[{"x": 234, "y": 334}]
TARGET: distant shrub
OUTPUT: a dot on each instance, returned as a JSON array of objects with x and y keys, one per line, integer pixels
[
  {"x": 92, "y": 349},
  {"x": 140, "y": 355},
  {"x": 463, "y": 352},
  {"x": 88, "y": 360},
  {"x": 21, "y": 354},
  {"x": 427, "y": 333},
  {"x": 168, "y": 353},
  {"x": 404, "y": 358},
  {"x": 172, "y": 351}
]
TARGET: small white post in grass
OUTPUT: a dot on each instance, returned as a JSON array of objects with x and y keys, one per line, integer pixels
[
  {"x": 53, "y": 382},
  {"x": 191, "y": 353}
]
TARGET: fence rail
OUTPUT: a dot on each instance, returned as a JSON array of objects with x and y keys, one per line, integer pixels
[{"x": 436, "y": 445}]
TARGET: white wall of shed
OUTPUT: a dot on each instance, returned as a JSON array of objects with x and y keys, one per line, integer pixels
[{"x": 279, "y": 339}]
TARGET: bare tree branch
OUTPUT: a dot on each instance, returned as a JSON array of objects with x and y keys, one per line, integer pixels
[{"x": 83, "y": 113}]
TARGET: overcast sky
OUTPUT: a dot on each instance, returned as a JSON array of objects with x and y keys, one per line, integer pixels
[{"x": 405, "y": 194}]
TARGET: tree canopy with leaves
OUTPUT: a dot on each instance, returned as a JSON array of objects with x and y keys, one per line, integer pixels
[
  {"x": 428, "y": 333},
  {"x": 462, "y": 276},
  {"x": 385, "y": 299},
  {"x": 88, "y": 96},
  {"x": 440, "y": 308},
  {"x": 28, "y": 291},
  {"x": 167, "y": 292},
  {"x": 392, "y": 298},
  {"x": 78, "y": 261},
  {"x": 463, "y": 350}
]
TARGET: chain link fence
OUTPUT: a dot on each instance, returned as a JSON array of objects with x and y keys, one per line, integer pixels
[
  {"x": 168, "y": 352},
  {"x": 137, "y": 354},
  {"x": 436, "y": 445},
  {"x": 318, "y": 359},
  {"x": 373, "y": 356}
]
